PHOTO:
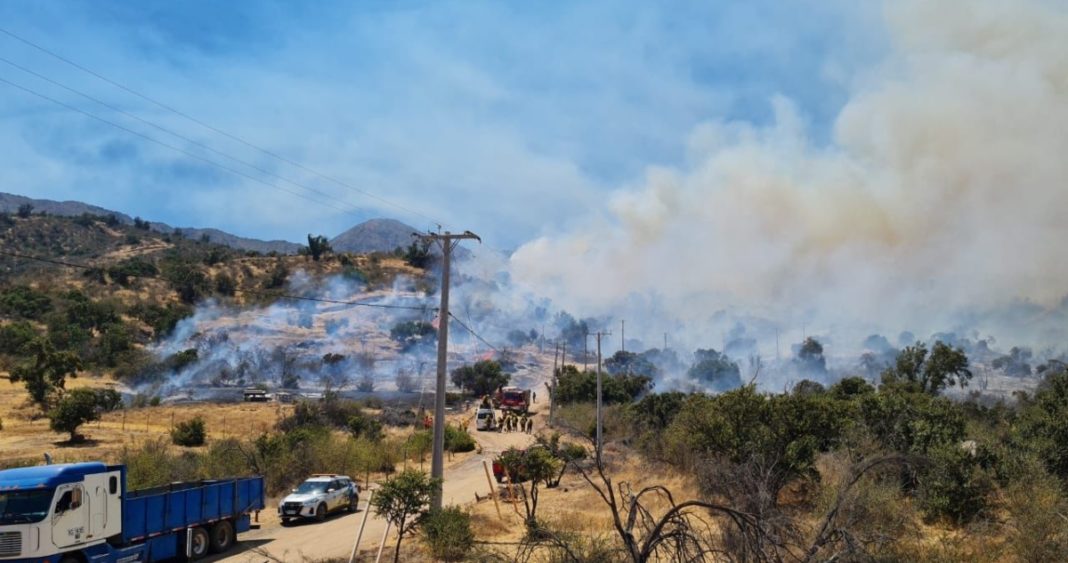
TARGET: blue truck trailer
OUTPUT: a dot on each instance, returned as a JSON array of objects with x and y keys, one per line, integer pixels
[{"x": 82, "y": 513}]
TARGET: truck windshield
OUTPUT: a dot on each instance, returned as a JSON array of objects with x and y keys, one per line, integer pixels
[
  {"x": 24, "y": 507},
  {"x": 513, "y": 396},
  {"x": 309, "y": 487}
]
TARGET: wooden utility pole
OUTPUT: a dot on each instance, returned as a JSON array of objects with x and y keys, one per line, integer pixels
[
  {"x": 622, "y": 336},
  {"x": 599, "y": 420},
  {"x": 448, "y": 242}
]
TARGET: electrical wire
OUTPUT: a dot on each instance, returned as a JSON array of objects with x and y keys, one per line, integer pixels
[
  {"x": 476, "y": 335},
  {"x": 167, "y": 145},
  {"x": 219, "y": 131},
  {"x": 172, "y": 133},
  {"x": 245, "y": 291}
]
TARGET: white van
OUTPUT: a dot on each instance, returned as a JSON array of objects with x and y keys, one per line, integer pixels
[{"x": 485, "y": 419}]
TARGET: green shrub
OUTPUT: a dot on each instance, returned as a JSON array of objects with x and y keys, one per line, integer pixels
[
  {"x": 189, "y": 433},
  {"x": 448, "y": 534},
  {"x": 958, "y": 484},
  {"x": 457, "y": 440},
  {"x": 25, "y": 302}
]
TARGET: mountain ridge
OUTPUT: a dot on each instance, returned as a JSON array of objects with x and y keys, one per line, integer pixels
[{"x": 373, "y": 235}]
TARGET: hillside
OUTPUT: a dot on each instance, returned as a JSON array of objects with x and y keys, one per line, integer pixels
[
  {"x": 375, "y": 235},
  {"x": 10, "y": 203}
]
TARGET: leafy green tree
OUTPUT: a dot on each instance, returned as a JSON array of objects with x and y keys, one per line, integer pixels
[
  {"x": 48, "y": 370},
  {"x": 448, "y": 534},
  {"x": 317, "y": 246},
  {"x": 14, "y": 337},
  {"x": 225, "y": 285},
  {"x": 482, "y": 378},
  {"x": 74, "y": 409},
  {"x": 25, "y": 302},
  {"x": 916, "y": 371},
  {"x": 402, "y": 500},
  {"x": 418, "y": 254},
  {"x": 122, "y": 272},
  {"x": 574, "y": 386},
  {"x": 189, "y": 433},
  {"x": 810, "y": 360},
  {"x": 566, "y": 452},
  {"x": 778, "y": 435},
  {"x": 536, "y": 467},
  {"x": 850, "y": 387},
  {"x": 912, "y": 423},
  {"x": 25, "y": 210},
  {"x": 715, "y": 369},
  {"x": 1043, "y": 425},
  {"x": 186, "y": 279},
  {"x": 361, "y": 425},
  {"x": 413, "y": 333},
  {"x": 629, "y": 362}
]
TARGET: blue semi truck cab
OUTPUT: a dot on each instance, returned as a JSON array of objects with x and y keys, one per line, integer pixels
[{"x": 82, "y": 513}]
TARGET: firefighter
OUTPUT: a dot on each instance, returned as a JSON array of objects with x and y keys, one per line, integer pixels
[{"x": 530, "y": 426}]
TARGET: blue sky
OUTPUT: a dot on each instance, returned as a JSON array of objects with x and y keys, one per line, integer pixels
[{"x": 510, "y": 119}]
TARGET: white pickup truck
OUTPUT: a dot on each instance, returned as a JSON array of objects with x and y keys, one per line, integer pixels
[{"x": 318, "y": 496}]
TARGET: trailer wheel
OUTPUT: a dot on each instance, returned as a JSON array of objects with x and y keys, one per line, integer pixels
[
  {"x": 222, "y": 536},
  {"x": 320, "y": 512},
  {"x": 199, "y": 543}
]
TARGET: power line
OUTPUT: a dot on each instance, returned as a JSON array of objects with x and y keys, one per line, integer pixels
[
  {"x": 245, "y": 291},
  {"x": 217, "y": 130},
  {"x": 475, "y": 334},
  {"x": 170, "y": 132},
  {"x": 167, "y": 145}
]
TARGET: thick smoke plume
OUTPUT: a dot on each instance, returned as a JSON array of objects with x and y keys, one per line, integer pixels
[{"x": 938, "y": 205}]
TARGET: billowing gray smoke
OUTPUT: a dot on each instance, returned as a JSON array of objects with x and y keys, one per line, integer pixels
[{"x": 939, "y": 204}]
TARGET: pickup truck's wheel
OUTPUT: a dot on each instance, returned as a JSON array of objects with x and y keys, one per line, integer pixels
[
  {"x": 222, "y": 536},
  {"x": 199, "y": 543},
  {"x": 320, "y": 512},
  {"x": 285, "y": 521}
]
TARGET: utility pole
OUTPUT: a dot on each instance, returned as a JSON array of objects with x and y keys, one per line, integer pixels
[
  {"x": 599, "y": 421},
  {"x": 586, "y": 352},
  {"x": 448, "y": 242},
  {"x": 552, "y": 387},
  {"x": 665, "y": 341},
  {"x": 622, "y": 336}
]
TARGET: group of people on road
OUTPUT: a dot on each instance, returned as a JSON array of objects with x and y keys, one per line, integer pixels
[{"x": 512, "y": 422}]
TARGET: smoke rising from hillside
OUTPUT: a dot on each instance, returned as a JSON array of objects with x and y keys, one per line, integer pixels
[{"x": 938, "y": 205}]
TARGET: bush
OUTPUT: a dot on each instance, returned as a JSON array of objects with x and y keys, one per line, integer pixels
[
  {"x": 457, "y": 440},
  {"x": 448, "y": 534},
  {"x": 574, "y": 386},
  {"x": 189, "y": 433},
  {"x": 25, "y": 302},
  {"x": 958, "y": 484}
]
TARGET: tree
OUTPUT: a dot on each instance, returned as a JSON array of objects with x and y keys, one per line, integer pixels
[
  {"x": 915, "y": 371},
  {"x": 482, "y": 378},
  {"x": 535, "y": 466},
  {"x": 810, "y": 360},
  {"x": 189, "y": 433},
  {"x": 412, "y": 333},
  {"x": 402, "y": 500},
  {"x": 629, "y": 362},
  {"x": 418, "y": 254},
  {"x": 715, "y": 369},
  {"x": 225, "y": 285},
  {"x": 574, "y": 386},
  {"x": 47, "y": 371},
  {"x": 448, "y": 533},
  {"x": 187, "y": 280},
  {"x": 25, "y": 210},
  {"x": 317, "y": 246},
  {"x": 75, "y": 408}
]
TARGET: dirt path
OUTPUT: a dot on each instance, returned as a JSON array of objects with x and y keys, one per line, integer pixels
[{"x": 464, "y": 476}]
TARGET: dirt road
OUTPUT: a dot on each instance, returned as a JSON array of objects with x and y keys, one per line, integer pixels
[{"x": 464, "y": 476}]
